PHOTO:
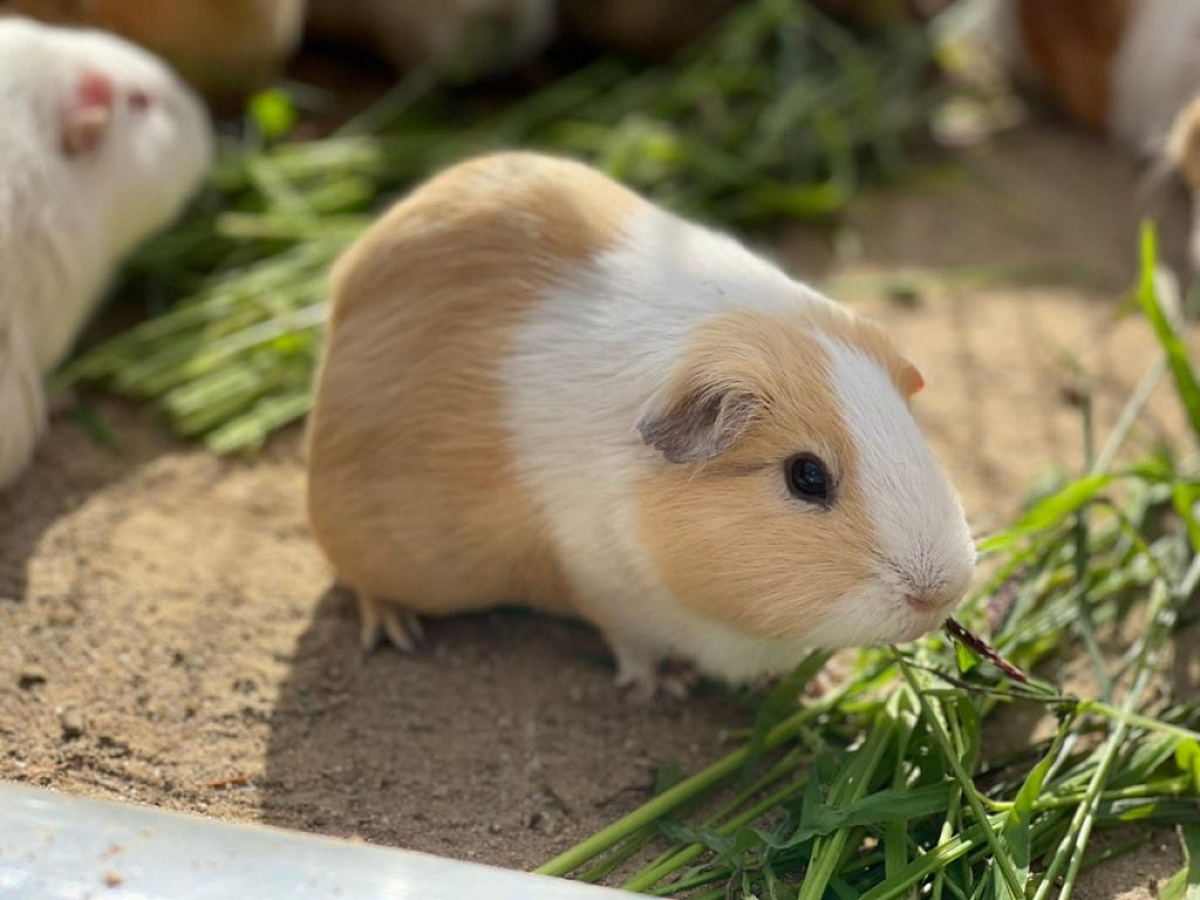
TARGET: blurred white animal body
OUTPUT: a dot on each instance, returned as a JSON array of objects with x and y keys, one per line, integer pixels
[{"x": 101, "y": 145}]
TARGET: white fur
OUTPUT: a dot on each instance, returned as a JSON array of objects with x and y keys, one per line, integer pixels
[
  {"x": 922, "y": 540},
  {"x": 1156, "y": 72},
  {"x": 22, "y": 400},
  {"x": 583, "y": 371},
  {"x": 65, "y": 221}
]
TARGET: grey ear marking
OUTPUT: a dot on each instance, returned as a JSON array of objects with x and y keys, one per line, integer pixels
[{"x": 700, "y": 425}]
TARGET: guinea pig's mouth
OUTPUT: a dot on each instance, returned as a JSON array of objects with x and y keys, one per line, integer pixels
[
  {"x": 920, "y": 625},
  {"x": 924, "y": 613}
]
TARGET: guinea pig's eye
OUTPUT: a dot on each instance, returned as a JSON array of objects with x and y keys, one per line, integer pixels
[
  {"x": 139, "y": 100},
  {"x": 808, "y": 479}
]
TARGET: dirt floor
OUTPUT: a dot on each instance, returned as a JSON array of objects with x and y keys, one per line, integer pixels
[{"x": 170, "y": 635}]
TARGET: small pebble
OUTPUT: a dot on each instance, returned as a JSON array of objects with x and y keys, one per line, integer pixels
[
  {"x": 72, "y": 723},
  {"x": 905, "y": 296},
  {"x": 543, "y": 822},
  {"x": 30, "y": 676}
]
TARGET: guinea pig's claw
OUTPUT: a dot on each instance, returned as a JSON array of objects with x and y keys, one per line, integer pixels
[
  {"x": 403, "y": 630},
  {"x": 380, "y": 619},
  {"x": 642, "y": 682}
]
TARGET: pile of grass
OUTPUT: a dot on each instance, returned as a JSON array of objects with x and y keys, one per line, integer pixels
[
  {"x": 888, "y": 785},
  {"x": 778, "y": 113}
]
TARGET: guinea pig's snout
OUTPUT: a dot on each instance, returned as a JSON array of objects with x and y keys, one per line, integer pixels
[
  {"x": 925, "y": 600},
  {"x": 934, "y": 591}
]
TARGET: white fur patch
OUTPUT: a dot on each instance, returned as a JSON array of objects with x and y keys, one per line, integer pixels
[
  {"x": 923, "y": 543},
  {"x": 22, "y": 400},
  {"x": 581, "y": 375},
  {"x": 1156, "y": 72},
  {"x": 583, "y": 370}
]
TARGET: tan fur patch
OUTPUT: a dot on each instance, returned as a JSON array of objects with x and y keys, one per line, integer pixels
[
  {"x": 727, "y": 534},
  {"x": 1183, "y": 145},
  {"x": 412, "y": 490},
  {"x": 839, "y": 323}
]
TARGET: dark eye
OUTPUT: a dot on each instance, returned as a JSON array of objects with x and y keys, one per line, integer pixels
[
  {"x": 139, "y": 100},
  {"x": 808, "y": 479}
]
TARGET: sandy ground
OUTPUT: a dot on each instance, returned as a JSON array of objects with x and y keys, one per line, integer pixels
[{"x": 170, "y": 635}]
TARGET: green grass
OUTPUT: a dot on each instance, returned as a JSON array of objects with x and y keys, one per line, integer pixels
[
  {"x": 894, "y": 784},
  {"x": 777, "y": 114}
]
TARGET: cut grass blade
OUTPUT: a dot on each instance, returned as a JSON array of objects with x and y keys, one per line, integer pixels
[{"x": 1173, "y": 346}]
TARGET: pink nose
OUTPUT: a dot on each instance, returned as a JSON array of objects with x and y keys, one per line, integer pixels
[{"x": 923, "y": 601}]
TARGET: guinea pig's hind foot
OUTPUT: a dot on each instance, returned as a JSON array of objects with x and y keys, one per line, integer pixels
[{"x": 380, "y": 619}]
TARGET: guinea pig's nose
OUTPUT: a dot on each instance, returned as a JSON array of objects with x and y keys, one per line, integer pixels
[{"x": 924, "y": 600}]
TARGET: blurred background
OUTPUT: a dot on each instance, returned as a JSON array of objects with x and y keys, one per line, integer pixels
[{"x": 754, "y": 115}]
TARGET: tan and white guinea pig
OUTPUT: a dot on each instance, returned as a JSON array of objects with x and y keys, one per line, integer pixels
[
  {"x": 540, "y": 388},
  {"x": 101, "y": 146}
]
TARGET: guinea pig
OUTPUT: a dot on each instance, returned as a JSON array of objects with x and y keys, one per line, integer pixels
[
  {"x": 101, "y": 146},
  {"x": 540, "y": 388},
  {"x": 1120, "y": 68}
]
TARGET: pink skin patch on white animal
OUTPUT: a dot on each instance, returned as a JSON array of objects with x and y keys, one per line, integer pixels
[{"x": 89, "y": 114}]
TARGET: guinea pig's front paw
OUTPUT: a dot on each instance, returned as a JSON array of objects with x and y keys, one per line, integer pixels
[
  {"x": 380, "y": 619},
  {"x": 639, "y": 675},
  {"x": 835, "y": 673}
]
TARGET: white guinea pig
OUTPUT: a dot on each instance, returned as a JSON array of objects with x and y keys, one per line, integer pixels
[
  {"x": 101, "y": 146},
  {"x": 540, "y": 388}
]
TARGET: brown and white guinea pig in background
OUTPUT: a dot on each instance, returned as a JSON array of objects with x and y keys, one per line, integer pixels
[
  {"x": 540, "y": 388},
  {"x": 1127, "y": 70},
  {"x": 102, "y": 144},
  {"x": 1121, "y": 68},
  {"x": 224, "y": 48},
  {"x": 1124, "y": 69}
]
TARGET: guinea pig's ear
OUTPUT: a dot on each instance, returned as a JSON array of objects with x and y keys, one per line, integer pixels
[
  {"x": 88, "y": 113},
  {"x": 700, "y": 423},
  {"x": 911, "y": 379}
]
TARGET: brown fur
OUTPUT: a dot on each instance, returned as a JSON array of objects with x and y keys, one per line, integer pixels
[
  {"x": 690, "y": 514},
  {"x": 1072, "y": 44},
  {"x": 412, "y": 490}
]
